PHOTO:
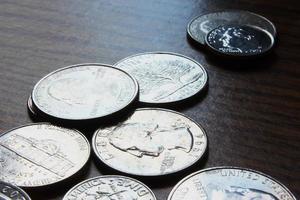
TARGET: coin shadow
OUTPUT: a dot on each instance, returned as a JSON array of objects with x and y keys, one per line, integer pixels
[
  {"x": 242, "y": 65},
  {"x": 180, "y": 105},
  {"x": 171, "y": 180},
  {"x": 168, "y": 180},
  {"x": 59, "y": 189},
  {"x": 195, "y": 45},
  {"x": 88, "y": 127},
  {"x": 257, "y": 63}
]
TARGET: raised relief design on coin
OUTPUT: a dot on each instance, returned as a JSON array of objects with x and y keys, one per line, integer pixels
[
  {"x": 229, "y": 183},
  {"x": 84, "y": 91},
  {"x": 41, "y": 154},
  {"x": 110, "y": 188},
  {"x": 11, "y": 192},
  {"x": 165, "y": 77},
  {"x": 151, "y": 142},
  {"x": 200, "y": 26},
  {"x": 239, "y": 40}
]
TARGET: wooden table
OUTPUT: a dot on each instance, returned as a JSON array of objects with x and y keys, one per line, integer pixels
[{"x": 250, "y": 111}]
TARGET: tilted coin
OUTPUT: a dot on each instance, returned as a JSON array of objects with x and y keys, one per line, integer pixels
[
  {"x": 110, "y": 188},
  {"x": 223, "y": 183},
  {"x": 31, "y": 108},
  {"x": 11, "y": 192},
  {"x": 165, "y": 77},
  {"x": 84, "y": 92},
  {"x": 41, "y": 154},
  {"x": 239, "y": 41},
  {"x": 200, "y": 26},
  {"x": 152, "y": 142}
]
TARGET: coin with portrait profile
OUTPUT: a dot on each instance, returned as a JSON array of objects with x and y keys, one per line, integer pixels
[
  {"x": 151, "y": 142},
  {"x": 12, "y": 192},
  {"x": 84, "y": 92},
  {"x": 200, "y": 26},
  {"x": 239, "y": 41},
  {"x": 41, "y": 154},
  {"x": 110, "y": 187},
  {"x": 165, "y": 77},
  {"x": 224, "y": 183}
]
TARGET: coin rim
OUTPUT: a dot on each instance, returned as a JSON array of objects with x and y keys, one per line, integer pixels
[
  {"x": 109, "y": 176},
  {"x": 213, "y": 49},
  {"x": 134, "y": 97},
  {"x": 170, "y": 196},
  {"x": 229, "y": 11},
  {"x": 46, "y": 123},
  {"x": 154, "y": 175},
  {"x": 172, "y": 54},
  {"x": 16, "y": 188},
  {"x": 30, "y": 107}
]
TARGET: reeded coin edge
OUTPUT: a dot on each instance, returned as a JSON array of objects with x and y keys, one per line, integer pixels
[
  {"x": 134, "y": 97},
  {"x": 49, "y": 124},
  {"x": 154, "y": 175},
  {"x": 109, "y": 176},
  {"x": 227, "y": 167},
  {"x": 17, "y": 188},
  {"x": 228, "y": 11},
  {"x": 174, "y": 54},
  {"x": 266, "y": 50}
]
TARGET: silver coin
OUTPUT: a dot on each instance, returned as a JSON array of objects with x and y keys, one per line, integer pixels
[
  {"x": 239, "y": 41},
  {"x": 165, "y": 77},
  {"x": 152, "y": 142},
  {"x": 41, "y": 154},
  {"x": 11, "y": 192},
  {"x": 31, "y": 107},
  {"x": 200, "y": 26},
  {"x": 110, "y": 188},
  {"x": 84, "y": 92},
  {"x": 229, "y": 183}
]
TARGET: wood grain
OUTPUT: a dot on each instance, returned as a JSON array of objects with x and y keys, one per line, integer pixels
[{"x": 250, "y": 111}]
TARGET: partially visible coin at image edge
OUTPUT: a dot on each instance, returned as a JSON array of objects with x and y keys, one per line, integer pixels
[
  {"x": 110, "y": 187},
  {"x": 41, "y": 154},
  {"x": 229, "y": 183},
  {"x": 12, "y": 192}
]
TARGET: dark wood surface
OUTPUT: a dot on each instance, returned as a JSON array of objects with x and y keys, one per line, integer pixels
[{"x": 250, "y": 111}]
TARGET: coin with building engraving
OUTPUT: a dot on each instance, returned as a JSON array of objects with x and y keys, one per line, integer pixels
[
  {"x": 165, "y": 77},
  {"x": 110, "y": 187},
  {"x": 41, "y": 154},
  {"x": 84, "y": 92},
  {"x": 151, "y": 142},
  {"x": 229, "y": 183},
  {"x": 239, "y": 41},
  {"x": 200, "y": 26},
  {"x": 12, "y": 192}
]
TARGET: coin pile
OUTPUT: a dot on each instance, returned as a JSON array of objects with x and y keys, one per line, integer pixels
[
  {"x": 152, "y": 141},
  {"x": 234, "y": 34}
]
